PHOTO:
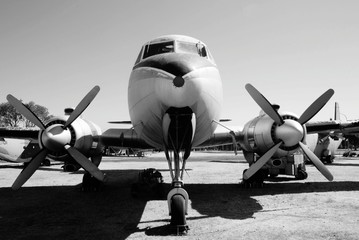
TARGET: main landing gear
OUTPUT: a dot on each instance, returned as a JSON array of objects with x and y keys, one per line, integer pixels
[
  {"x": 177, "y": 198},
  {"x": 256, "y": 180},
  {"x": 89, "y": 182}
]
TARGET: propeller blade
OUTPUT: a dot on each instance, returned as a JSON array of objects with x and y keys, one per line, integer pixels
[
  {"x": 317, "y": 163},
  {"x": 19, "y": 106},
  {"x": 316, "y": 106},
  {"x": 261, "y": 161},
  {"x": 264, "y": 104},
  {"x": 29, "y": 170},
  {"x": 85, "y": 163},
  {"x": 82, "y": 105}
]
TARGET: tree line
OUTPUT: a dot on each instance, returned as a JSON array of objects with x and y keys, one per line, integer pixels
[{"x": 11, "y": 118}]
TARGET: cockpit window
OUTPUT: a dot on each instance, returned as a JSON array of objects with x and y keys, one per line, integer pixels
[
  {"x": 158, "y": 48},
  {"x": 194, "y": 48},
  {"x": 139, "y": 56}
]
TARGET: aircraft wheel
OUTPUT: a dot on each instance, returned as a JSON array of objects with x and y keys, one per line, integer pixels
[
  {"x": 301, "y": 175},
  {"x": 46, "y": 162},
  {"x": 330, "y": 159},
  {"x": 178, "y": 215}
]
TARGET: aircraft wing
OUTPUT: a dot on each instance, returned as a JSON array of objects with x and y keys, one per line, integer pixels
[
  {"x": 121, "y": 137},
  {"x": 224, "y": 137},
  {"x": 19, "y": 134},
  {"x": 333, "y": 127},
  {"x": 127, "y": 137}
]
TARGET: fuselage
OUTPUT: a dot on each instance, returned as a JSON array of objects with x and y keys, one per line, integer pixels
[{"x": 174, "y": 74}]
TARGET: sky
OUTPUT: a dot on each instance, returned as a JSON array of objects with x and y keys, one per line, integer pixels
[{"x": 54, "y": 52}]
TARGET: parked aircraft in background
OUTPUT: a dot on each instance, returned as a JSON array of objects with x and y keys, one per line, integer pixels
[
  {"x": 11, "y": 149},
  {"x": 19, "y": 150},
  {"x": 175, "y": 98}
]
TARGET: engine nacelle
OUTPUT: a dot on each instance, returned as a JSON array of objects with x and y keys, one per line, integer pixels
[
  {"x": 84, "y": 137},
  {"x": 261, "y": 133}
]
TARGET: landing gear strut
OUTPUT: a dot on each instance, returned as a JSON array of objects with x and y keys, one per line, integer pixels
[
  {"x": 178, "y": 125},
  {"x": 177, "y": 198}
]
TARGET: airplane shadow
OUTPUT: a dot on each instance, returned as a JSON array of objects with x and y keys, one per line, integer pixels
[
  {"x": 277, "y": 188},
  {"x": 68, "y": 213},
  {"x": 65, "y": 212}
]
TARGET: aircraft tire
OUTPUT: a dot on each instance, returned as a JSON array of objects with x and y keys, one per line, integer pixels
[
  {"x": 301, "y": 175},
  {"x": 178, "y": 215},
  {"x": 46, "y": 162}
]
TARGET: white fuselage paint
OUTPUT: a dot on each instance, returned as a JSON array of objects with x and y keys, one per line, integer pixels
[{"x": 151, "y": 92}]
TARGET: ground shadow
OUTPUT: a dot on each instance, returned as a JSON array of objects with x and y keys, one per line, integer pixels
[
  {"x": 275, "y": 188},
  {"x": 344, "y": 164},
  {"x": 212, "y": 200},
  {"x": 68, "y": 213}
]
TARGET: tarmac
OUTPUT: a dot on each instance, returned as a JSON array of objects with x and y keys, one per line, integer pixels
[{"x": 51, "y": 204}]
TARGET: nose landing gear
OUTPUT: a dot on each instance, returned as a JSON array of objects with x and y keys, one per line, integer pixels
[
  {"x": 177, "y": 198},
  {"x": 178, "y": 125}
]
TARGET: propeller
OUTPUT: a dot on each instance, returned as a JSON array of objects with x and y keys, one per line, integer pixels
[
  {"x": 264, "y": 104},
  {"x": 290, "y": 132},
  {"x": 82, "y": 105},
  {"x": 21, "y": 108},
  {"x": 29, "y": 170},
  {"x": 55, "y": 138},
  {"x": 261, "y": 161}
]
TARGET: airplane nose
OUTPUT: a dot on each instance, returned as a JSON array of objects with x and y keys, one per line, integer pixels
[{"x": 176, "y": 79}]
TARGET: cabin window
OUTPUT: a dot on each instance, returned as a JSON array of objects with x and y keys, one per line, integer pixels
[{"x": 158, "y": 48}]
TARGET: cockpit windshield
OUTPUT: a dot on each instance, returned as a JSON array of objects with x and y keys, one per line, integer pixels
[
  {"x": 194, "y": 48},
  {"x": 178, "y": 46},
  {"x": 158, "y": 48}
]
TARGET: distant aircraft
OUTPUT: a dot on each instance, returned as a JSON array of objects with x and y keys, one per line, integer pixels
[
  {"x": 19, "y": 150},
  {"x": 11, "y": 149},
  {"x": 174, "y": 98}
]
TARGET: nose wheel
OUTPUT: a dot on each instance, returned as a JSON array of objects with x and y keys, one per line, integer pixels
[
  {"x": 178, "y": 214},
  {"x": 177, "y": 200}
]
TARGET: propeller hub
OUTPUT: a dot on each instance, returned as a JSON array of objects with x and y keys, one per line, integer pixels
[
  {"x": 55, "y": 137},
  {"x": 290, "y": 132}
]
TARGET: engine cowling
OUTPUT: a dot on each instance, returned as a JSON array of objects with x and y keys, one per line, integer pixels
[
  {"x": 82, "y": 135},
  {"x": 262, "y": 133},
  {"x": 286, "y": 134}
]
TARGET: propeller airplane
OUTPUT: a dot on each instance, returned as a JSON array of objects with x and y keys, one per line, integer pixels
[{"x": 174, "y": 99}]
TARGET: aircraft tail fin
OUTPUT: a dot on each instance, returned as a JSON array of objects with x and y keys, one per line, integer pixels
[{"x": 336, "y": 112}]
